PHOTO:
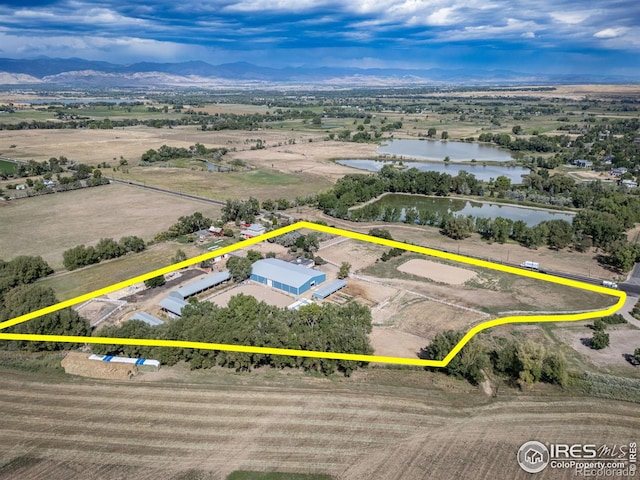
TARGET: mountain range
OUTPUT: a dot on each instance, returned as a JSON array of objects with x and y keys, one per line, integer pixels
[{"x": 88, "y": 73}]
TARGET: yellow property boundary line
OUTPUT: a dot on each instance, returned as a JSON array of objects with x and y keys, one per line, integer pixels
[{"x": 317, "y": 354}]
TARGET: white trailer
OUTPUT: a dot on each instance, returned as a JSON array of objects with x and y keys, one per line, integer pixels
[
  {"x": 609, "y": 284},
  {"x": 531, "y": 265}
]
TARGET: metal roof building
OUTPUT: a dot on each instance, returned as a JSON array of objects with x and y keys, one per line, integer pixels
[
  {"x": 298, "y": 304},
  {"x": 328, "y": 289},
  {"x": 201, "y": 285},
  {"x": 173, "y": 305},
  {"x": 147, "y": 318},
  {"x": 286, "y": 276}
]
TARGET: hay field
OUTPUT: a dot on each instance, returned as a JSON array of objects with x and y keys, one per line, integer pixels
[
  {"x": 381, "y": 424},
  {"x": 50, "y": 224}
]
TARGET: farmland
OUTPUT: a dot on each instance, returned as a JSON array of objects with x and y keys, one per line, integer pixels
[
  {"x": 48, "y": 225},
  {"x": 379, "y": 424}
]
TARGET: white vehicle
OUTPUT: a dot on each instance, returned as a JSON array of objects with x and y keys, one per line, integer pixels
[
  {"x": 607, "y": 283},
  {"x": 531, "y": 265}
]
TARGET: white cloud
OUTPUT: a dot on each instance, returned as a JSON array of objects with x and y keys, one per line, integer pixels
[
  {"x": 610, "y": 32},
  {"x": 528, "y": 35},
  {"x": 571, "y": 18},
  {"x": 118, "y": 49}
]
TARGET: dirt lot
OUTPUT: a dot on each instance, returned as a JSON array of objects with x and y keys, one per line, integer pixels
[
  {"x": 437, "y": 272},
  {"x": 260, "y": 292},
  {"x": 623, "y": 340},
  {"x": 390, "y": 342},
  {"x": 51, "y": 224},
  {"x": 381, "y": 423}
]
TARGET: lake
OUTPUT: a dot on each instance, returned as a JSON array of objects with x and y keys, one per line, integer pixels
[
  {"x": 481, "y": 172},
  {"x": 464, "y": 207},
  {"x": 438, "y": 149}
]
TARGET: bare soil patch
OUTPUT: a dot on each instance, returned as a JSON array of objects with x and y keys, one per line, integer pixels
[
  {"x": 260, "y": 292},
  {"x": 390, "y": 342},
  {"x": 437, "y": 272},
  {"x": 623, "y": 340}
]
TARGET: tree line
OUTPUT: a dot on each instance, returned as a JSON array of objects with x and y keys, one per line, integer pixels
[
  {"x": 607, "y": 211},
  {"x": 247, "y": 321},
  {"x": 106, "y": 249},
  {"x": 18, "y": 296}
]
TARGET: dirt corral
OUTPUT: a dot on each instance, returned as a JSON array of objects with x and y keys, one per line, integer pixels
[{"x": 260, "y": 292}]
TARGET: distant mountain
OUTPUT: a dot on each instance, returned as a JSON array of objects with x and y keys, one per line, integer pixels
[{"x": 88, "y": 73}]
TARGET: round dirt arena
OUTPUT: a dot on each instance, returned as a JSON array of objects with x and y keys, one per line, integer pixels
[{"x": 438, "y": 272}]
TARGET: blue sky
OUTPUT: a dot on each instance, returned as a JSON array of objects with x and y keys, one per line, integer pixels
[{"x": 542, "y": 36}]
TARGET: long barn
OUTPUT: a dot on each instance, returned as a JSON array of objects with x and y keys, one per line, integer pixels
[{"x": 286, "y": 276}]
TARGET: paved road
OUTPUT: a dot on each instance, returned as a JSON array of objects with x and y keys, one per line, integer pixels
[{"x": 625, "y": 311}]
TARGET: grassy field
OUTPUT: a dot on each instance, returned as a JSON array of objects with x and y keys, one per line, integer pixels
[
  {"x": 50, "y": 224},
  {"x": 260, "y": 183},
  {"x": 71, "y": 284},
  {"x": 7, "y": 167},
  {"x": 381, "y": 423}
]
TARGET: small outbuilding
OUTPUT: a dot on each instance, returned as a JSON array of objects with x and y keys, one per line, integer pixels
[
  {"x": 328, "y": 289},
  {"x": 173, "y": 306},
  {"x": 201, "y": 285},
  {"x": 253, "y": 230},
  {"x": 147, "y": 318}
]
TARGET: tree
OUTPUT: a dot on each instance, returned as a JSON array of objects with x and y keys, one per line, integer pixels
[
  {"x": 180, "y": 256},
  {"x": 636, "y": 354},
  {"x": 108, "y": 248},
  {"x": 380, "y": 233},
  {"x": 254, "y": 256},
  {"x": 431, "y": 132},
  {"x": 132, "y": 244},
  {"x": 27, "y": 298},
  {"x": 467, "y": 364},
  {"x": 444, "y": 135},
  {"x": 599, "y": 340},
  {"x": 502, "y": 183},
  {"x": 239, "y": 268},
  {"x": 560, "y": 234},
  {"x": 155, "y": 282},
  {"x": 517, "y": 130},
  {"x": 344, "y": 270},
  {"x": 457, "y": 227},
  {"x": 79, "y": 256}
]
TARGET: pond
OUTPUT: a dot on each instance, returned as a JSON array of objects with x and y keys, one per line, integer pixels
[
  {"x": 458, "y": 206},
  {"x": 481, "y": 172},
  {"x": 437, "y": 150}
]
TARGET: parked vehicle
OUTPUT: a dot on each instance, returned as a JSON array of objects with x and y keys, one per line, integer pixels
[
  {"x": 609, "y": 284},
  {"x": 531, "y": 265}
]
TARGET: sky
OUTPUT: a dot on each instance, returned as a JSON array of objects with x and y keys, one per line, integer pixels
[{"x": 541, "y": 36}]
